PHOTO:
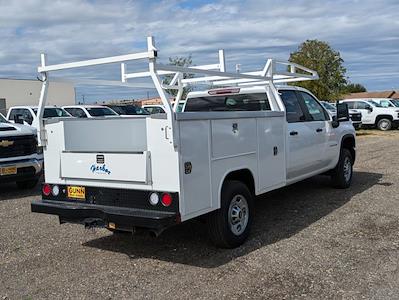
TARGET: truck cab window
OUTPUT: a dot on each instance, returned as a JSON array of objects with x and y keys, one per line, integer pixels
[
  {"x": 361, "y": 105},
  {"x": 76, "y": 112},
  {"x": 293, "y": 109},
  {"x": 27, "y": 116},
  {"x": 351, "y": 105},
  {"x": 239, "y": 102},
  {"x": 316, "y": 111}
]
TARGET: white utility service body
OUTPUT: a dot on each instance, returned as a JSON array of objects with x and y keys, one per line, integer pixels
[{"x": 127, "y": 167}]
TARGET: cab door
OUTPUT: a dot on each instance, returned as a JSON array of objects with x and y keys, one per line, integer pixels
[
  {"x": 300, "y": 138},
  {"x": 368, "y": 116},
  {"x": 325, "y": 140}
]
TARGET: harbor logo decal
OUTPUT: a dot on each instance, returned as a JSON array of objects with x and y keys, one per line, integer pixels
[{"x": 100, "y": 169}]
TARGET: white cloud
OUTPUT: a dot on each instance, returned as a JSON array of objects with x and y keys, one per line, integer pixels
[{"x": 365, "y": 32}]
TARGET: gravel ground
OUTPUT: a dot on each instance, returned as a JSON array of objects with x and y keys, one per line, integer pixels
[{"x": 308, "y": 241}]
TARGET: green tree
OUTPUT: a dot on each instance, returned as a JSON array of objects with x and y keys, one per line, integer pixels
[
  {"x": 181, "y": 62},
  {"x": 354, "y": 88},
  {"x": 319, "y": 56}
]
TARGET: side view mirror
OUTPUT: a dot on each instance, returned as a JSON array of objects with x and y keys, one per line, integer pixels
[
  {"x": 342, "y": 114},
  {"x": 369, "y": 108},
  {"x": 18, "y": 119}
]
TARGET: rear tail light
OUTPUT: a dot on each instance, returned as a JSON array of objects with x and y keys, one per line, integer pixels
[
  {"x": 166, "y": 199},
  {"x": 46, "y": 189}
]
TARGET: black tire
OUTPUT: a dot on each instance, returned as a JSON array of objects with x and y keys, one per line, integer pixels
[
  {"x": 340, "y": 177},
  {"x": 236, "y": 207},
  {"x": 384, "y": 124},
  {"x": 27, "y": 184}
]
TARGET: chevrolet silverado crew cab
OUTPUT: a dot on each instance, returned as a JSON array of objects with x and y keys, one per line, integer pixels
[
  {"x": 374, "y": 114},
  {"x": 242, "y": 138},
  {"x": 20, "y": 158}
]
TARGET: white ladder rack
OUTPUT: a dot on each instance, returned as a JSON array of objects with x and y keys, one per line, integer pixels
[{"x": 210, "y": 74}]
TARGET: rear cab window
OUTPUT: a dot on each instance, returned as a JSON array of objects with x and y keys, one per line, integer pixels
[
  {"x": 25, "y": 114},
  {"x": 237, "y": 102}
]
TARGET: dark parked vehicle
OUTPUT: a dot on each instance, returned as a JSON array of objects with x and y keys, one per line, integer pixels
[
  {"x": 127, "y": 110},
  {"x": 355, "y": 115}
]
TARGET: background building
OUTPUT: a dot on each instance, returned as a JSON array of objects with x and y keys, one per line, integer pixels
[
  {"x": 378, "y": 94},
  {"x": 26, "y": 92}
]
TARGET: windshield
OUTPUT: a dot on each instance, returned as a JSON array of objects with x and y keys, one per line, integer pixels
[
  {"x": 385, "y": 103},
  {"x": 374, "y": 103},
  {"x": 328, "y": 106},
  {"x": 395, "y": 102},
  {"x": 53, "y": 112},
  {"x": 100, "y": 111},
  {"x": 2, "y": 119},
  {"x": 129, "y": 110}
]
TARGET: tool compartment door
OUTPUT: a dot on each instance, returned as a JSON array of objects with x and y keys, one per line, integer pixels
[{"x": 131, "y": 167}]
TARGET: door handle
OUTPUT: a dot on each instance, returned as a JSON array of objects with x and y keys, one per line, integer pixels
[
  {"x": 319, "y": 130},
  {"x": 294, "y": 133}
]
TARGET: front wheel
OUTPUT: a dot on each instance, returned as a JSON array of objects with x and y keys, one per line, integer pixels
[
  {"x": 230, "y": 225},
  {"x": 342, "y": 174},
  {"x": 384, "y": 124}
]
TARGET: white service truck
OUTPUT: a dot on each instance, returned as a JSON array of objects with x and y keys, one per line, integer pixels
[{"x": 241, "y": 139}]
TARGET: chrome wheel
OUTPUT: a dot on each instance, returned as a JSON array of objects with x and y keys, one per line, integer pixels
[
  {"x": 347, "y": 169},
  {"x": 238, "y": 214},
  {"x": 384, "y": 124}
]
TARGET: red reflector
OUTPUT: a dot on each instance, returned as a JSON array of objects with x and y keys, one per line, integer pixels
[
  {"x": 46, "y": 189},
  {"x": 166, "y": 199},
  {"x": 224, "y": 91}
]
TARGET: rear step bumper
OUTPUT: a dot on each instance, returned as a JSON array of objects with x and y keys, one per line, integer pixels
[{"x": 101, "y": 216}]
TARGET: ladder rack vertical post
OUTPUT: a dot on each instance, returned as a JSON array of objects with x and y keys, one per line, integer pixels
[
  {"x": 158, "y": 85},
  {"x": 222, "y": 61},
  {"x": 42, "y": 102}
]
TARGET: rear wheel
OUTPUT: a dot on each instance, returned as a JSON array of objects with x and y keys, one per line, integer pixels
[
  {"x": 27, "y": 184},
  {"x": 230, "y": 225},
  {"x": 384, "y": 124},
  {"x": 342, "y": 174}
]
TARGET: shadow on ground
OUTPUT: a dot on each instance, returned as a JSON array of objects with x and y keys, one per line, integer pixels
[
  {"x": 10, "y": 191},
  {"x": 279, "y": 215}
]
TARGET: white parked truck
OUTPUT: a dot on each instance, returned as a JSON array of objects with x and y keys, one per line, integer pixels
[
  {"x": 374, "y": 114},
  {"x": 21, "y": 161},
  {"x": 241, "y": 139},
  {"x": 27, "y": 115}
]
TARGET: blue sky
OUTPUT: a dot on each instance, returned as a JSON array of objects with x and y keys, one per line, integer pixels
[{"x": 365, "y": 32}]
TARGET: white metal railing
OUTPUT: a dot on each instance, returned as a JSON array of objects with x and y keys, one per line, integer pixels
[{"x": 209, "y": 74}]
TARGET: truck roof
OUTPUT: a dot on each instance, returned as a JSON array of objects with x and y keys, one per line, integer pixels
[{"x": 84, "y": 106}]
